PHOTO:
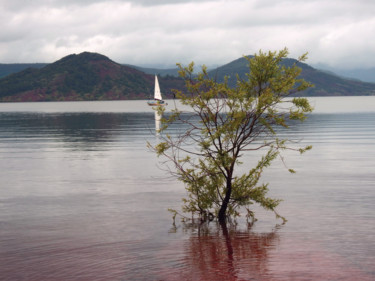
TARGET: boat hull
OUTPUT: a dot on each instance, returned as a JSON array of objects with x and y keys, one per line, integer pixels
[{"x": 156, "y": 103}]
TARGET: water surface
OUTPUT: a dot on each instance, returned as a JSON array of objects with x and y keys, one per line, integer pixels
[{"x": 82, "y": 198}]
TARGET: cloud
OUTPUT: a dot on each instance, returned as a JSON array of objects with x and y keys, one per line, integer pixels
[{"x": 165, "y": 32}]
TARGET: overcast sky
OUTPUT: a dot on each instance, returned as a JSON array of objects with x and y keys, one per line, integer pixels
[{"x": 339, "y": 33}]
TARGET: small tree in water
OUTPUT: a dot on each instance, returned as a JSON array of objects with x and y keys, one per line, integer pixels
[{"x": 231, "y": 122}]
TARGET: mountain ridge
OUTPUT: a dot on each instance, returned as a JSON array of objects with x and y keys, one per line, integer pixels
[
  {"x": 86, "y": 76},
  {"x": 361, "y": 74},
  {"x": 325, "y": 84},
  {"x": 92, "y": 76}
]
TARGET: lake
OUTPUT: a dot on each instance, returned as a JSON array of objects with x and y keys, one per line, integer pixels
[{"x": 82, "y": 198}]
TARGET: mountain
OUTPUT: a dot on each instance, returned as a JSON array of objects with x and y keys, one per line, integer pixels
[
  {"x": 9, "y": 68},
  {"x": 92, "y": 76},
  {"x": 362, "y": 74},
  {"x": 162, "y": 72},
  {"x": 326, "y": 84},
  {"x": 366, "y": 75},
  {"x": 87, "y": 76}
]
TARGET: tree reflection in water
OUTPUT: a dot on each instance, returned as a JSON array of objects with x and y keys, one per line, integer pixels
[{"x": 224, "y": 252}]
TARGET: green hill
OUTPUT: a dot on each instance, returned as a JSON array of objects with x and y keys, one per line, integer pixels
[
  {"x": 87, "y": 76},
  {"x": 326, "y": 84}
]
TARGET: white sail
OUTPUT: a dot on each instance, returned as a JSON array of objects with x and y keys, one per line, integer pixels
[{"x": 157, "y": 93}]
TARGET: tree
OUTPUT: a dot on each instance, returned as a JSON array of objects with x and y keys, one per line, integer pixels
[{"x": 226, "y": 123}]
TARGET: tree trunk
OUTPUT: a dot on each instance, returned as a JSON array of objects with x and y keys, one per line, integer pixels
[{"x": 223, "y": 209}]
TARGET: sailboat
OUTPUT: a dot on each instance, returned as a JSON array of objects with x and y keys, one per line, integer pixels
[{"x": 157, "y": 101}]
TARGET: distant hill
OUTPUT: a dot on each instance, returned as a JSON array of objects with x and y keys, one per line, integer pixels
[
  {"x": 87, "y": 76},
  {"x": 362, "y": 74},
  {"x": 162, "y": 72},
  {"x": 92, "y": 76},
  {"x": 10, "y": 68},
  {"x": 326, "y": 84}
]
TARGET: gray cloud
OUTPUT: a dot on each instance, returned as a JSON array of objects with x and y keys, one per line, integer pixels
[{"x": 338, "y": 32}]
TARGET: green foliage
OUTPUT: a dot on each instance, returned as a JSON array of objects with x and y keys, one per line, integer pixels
[
  {"x": 231, "y": 122},
  {"x": 326, "y": 84}
]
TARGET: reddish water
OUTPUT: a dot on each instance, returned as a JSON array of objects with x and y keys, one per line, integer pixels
[{"x": 206, "y": 252}]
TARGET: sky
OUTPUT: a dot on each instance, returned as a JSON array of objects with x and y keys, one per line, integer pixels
[{"x": 161, "y": 33}]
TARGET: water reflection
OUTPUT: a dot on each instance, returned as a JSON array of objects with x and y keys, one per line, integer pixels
[
  {"x": 157, "y": 122},
  {"x": 75, "y": 129},
  {"x": 226, "y": 252}
]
